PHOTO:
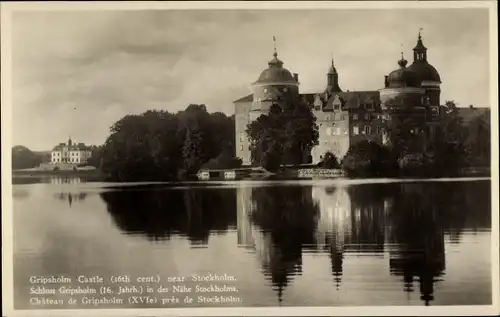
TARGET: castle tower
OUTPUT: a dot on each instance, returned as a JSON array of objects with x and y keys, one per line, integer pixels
[
  {"x": 427, "y": 74},
  {"x": 332, "y": 80},
  {"x": 275, "y": 85}
]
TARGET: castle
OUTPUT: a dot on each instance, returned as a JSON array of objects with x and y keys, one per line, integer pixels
[{"x": 346, "y": 117}]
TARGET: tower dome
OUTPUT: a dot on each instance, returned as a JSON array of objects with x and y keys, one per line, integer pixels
[
  {"x": 403, "y": 77},
  {"x": 425, "y": 71},
  {"x": 275, "y": 73}
]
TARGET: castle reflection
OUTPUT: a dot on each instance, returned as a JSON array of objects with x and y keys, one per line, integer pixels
[{"x": 404, "y": 225}]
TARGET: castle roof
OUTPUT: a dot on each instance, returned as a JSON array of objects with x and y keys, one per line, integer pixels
[
  {"x": 403, "y": 77},
  {"x": 353, "y": 99},
  {"x": 275, "y": 73}
]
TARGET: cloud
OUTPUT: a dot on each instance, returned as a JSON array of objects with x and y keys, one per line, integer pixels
[{"x": 76, "y": 73}]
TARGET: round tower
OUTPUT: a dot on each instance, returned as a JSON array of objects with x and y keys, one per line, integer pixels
[
  {"x": 275, "y": 85},
  {"x": 428, "y": 76}
]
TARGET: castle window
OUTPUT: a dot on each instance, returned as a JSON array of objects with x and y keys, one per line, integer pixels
[
  {"x": 379, "y": 130},
  {"x": 265, "y": 90},
  {"x": 285, "y": 89},
  {"x": 242, "y": 137},
  {"x": 355, "y": 130},
  {"x": 329, "y": 131},
  {"x": 367, "y": 116},
  {"x": 338, "y": 131},
  {"x": 346, "y": 131},
  {"x": 241, "y": 147},
  {"x": 368, "y": 129},
  {"x": 355, "y": 116},
  {"x": 369, "y": 106}
]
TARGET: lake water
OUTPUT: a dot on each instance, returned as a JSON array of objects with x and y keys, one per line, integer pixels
[{"x": 297, "y": 243}]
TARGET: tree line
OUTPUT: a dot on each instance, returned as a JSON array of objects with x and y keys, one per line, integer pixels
[{"x": 159, "y": 145}]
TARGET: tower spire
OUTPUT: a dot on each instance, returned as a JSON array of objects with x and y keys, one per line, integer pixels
[{"x": 420, "y": 51}]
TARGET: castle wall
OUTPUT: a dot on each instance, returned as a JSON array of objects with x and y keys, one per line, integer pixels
[
  {"x": 265, "y": 95},
  {"x": 333, "y": 128},
  {"x": 242, "y": 119}
]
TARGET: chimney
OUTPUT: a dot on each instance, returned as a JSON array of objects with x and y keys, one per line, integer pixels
[
  {"x": 386, "y": 81},
  {"x": 296, "y": 77},
  {"x": 471, "y": 106}
]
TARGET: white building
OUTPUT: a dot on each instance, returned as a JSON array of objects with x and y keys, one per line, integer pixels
[{"x": 70, "y": 153}]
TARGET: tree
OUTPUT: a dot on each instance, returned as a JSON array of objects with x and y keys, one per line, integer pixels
[
  {"x": 446, "y": 150},
  {"x": 329, "y": 161},
  {"x": 142, "y": 147},
  {"x": 95, "y": 156},
  {"x": 192, "y": 151},
  {"x": 301, "y": 132},
  {"x": 286, "y": 135},
  {"x": 405, "y": 130},
  {"x": 478, "y": 141},
  {"x": 157, "y": 145},
  {"x": 22, "y": 157},
  {"x": 224, "y": 160},
  {"x": 367, "y": 158}
]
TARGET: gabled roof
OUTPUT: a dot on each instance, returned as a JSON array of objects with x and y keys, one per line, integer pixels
[
  {"x": 245, "y": 99},
  {"x": 353, "y": 99}
]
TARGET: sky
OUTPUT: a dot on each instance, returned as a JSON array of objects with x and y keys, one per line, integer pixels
[{"x": 76, "y": 73}]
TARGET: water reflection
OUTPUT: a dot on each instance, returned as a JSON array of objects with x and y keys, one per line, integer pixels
[
  {"x": 71, "y": 198},
  {"x": 286, "y": 217},
  {"x": 158, "y": 214},
  {"x": 404, "y": 225}
]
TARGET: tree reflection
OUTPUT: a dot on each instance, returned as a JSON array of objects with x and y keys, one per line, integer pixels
[
  {"x": 159, "y": 213},
  {"x": 287, "y": 217}
]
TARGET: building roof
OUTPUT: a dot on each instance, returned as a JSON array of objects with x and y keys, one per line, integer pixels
[
  {"x": 403, "y": 77},
  {"x": 247, "y": 98},
  {"x": 73, "y": 147},
  {"x": 353, "y": 99},
  {"x": 275, "y": 73},
  {"x": 425, "y": 71}
]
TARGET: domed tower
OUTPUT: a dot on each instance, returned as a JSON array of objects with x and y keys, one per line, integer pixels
[
  {"x": 332, "y": 81},
  {"x": 427, "y": 74},
  {"x": 275, "y": 85},
  {"x": 402, "y": 88}
]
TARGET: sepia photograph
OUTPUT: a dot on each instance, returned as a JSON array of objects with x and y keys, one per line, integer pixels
[{"x": 249, "y": 158}]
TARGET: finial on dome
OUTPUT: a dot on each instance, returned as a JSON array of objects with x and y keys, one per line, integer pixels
[
  {"x": 402, "y": 62},
  {"x": 275, "y": 54},
  {"x": 419, "y": 35}
]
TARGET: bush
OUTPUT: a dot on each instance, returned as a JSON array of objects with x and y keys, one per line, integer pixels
[
  {"x": 416, "y": 164},
  {"x": 369, "y": 159},
  {"x": 224, "y": 161},
  {"x": 329, "y": 161}
]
